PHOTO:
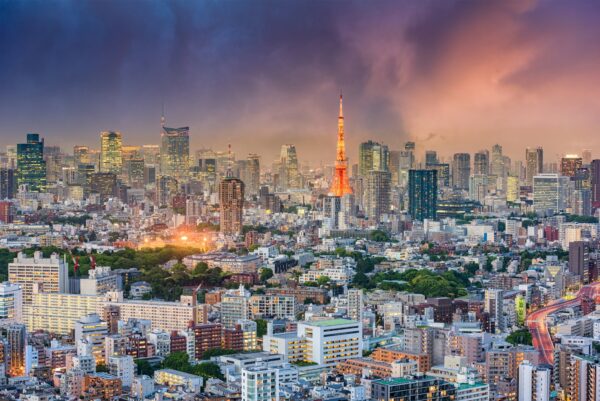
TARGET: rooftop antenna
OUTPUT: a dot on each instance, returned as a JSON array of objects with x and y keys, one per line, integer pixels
[
  {"x": 162, "y": 115},
  {"x": 229, "y": 165}
]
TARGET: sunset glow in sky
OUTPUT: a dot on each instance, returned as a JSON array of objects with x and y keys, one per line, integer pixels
[{"x": 453, "y": 76}]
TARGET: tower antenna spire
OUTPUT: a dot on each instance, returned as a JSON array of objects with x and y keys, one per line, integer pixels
[
  {"x": 341, "y": 183},
  {"x": 162, "y": 115}
]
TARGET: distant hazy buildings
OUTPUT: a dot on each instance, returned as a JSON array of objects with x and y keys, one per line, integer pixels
[{"x": 534, "y": 159}]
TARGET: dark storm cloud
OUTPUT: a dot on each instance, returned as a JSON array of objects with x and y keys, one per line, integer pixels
[{"x": 262, "y": 73}]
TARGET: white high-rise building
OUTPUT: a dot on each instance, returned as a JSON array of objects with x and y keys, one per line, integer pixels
[
  {"x": 123, "y": 367},
  {"x": 91, "y": 330},
  {"x": 11, "y": 303},
  {"x": 50, "y": 273},
  {"x": 534, "y": 382},
  {"x": 332, "y": 341},
  {"x": 260, "y": 383}
]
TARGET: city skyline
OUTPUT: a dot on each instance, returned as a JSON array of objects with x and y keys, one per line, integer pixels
[{"x": 442, "y": 81}]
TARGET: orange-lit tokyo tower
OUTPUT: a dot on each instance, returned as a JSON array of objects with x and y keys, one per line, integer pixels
[{"x": 341, "y": 184}]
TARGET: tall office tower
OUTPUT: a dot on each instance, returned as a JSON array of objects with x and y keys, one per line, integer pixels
[
  {"x": 175, "y": 153},
  {"x": 422, "y": 194},
  {"x": 8, "y": 183},
  {"x": 11, "y": 303},
  {"x": 231, "y": 198},
  {"x": 377, "y": 194},
  {"x": 253, "y": 167},
  {"x": 481, "y": 163},
  {"x": 534, "y": 382},
  {"x": 570, "y": 164},
  {"x": 431, "y": 157},
  {"x": 332, "y": 206},
  {"x": 167, "y": 188},
  {"x": 395, "y": 166},
  {"x": 581, "y": 202},
  {"x": 151, "y": 154},
  {"x": 90, "y": 332},
  {"x": 586, "y": 156},
  {"x": 53, "y": 158},
  {"x": 595, "y": 181},
  {"x": 461, "y": 170},
  {"x": 372, "y": 156},
  {"x": 135, "y": 172},
  {"x": 478, "y": 187},
  {"x": 289, "y": 174},
  {"x": 534, "y": 159},
  {"x": 104, "y": 184},
  {"x": 49, "y": 273},
  {"x": 31, "y": 167},
  {"x": 7, "y": 212},
  {"x": 406, "y": 162},
  {"x": 16, "y": 338},
  {"x": 340, "y": 184},
  {"x": 81, "y": 155},
  {"x": 498, "y": 168},
  {"x": 355, "y": 304},
  {"x": 443, "y": 174},
  {"x": 111, "y": 156},
  {"x": 512, "y": 188},
  {"x": 579, "y": 260},
  {"x": 494, "y": 305},
  {"x": 550, "y": 193},
  {"x": 11, "y": 156},
  {"x": 260, "y": 383}
]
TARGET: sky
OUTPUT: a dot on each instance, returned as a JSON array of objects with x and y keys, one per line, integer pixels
[{"x": 452, "y": 76}]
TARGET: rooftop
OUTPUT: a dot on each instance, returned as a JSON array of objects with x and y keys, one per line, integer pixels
[{"x": 330, "y": 323}]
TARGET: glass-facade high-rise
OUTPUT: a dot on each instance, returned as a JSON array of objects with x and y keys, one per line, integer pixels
[
  {"x": 111, "y": 152},
  {"x": 422, "y": 194},
  {"x": 31, "y": 167},
  {"x": 372, "y": 156},
  {"x": 175, "y": 153}
]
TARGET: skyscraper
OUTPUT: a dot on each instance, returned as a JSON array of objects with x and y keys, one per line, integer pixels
[
  {"x": 289, "y": 173},
  {"x": 550, "y": 193},
  {"x": 175, "y": 153},
  {"x": 340, "y": 185},
  {"x": 253, "y": 173},
  {"x": 430, "y": 157},
  {"x": 372, "y": 156},
  {"x": 8, "y": 183},
  {"x": 481, "y": 163},
  {"x": 570, "y": 164},
  {"x": 534, "y": 159},
  {"x": 461, "y": 170},
  {"x": 595, "y": 181},
  {"x": 498, "y": 168},
  {"x": 422, "y": 194},
  {"x": 31, "y": 167},
  {"x": 111, "y": 156},
  {"x": 231, "y": 198},
  {"x": 579, "y": 260},
  {"x": 377, "y": 194},
  {"x": 81, "y": 155}
]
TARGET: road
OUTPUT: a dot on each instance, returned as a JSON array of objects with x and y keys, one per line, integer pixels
[{"x": 536, "y": 322}]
